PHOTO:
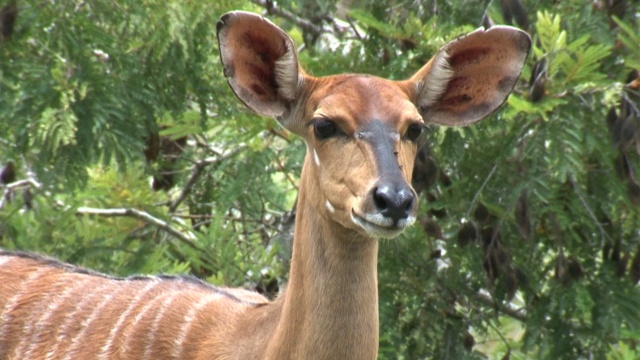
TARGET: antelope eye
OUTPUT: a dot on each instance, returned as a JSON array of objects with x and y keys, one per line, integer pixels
[
  {"x": 324, "y": 129},
  {"x": 413, "y": 132}
]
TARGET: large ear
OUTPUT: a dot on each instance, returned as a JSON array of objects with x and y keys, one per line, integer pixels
[
  {"x": 471, "y": 76},
  {"x": 260, "y": 61}
]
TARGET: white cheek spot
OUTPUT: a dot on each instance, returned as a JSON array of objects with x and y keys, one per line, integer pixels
[
  {"x": 315, "y": 157},
  {"x": 330, "y": 207}
]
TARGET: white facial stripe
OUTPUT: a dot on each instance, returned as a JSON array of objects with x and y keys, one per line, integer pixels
[
  {"x": 330, "y": 206},
  {"x": 315, "y": 157}
]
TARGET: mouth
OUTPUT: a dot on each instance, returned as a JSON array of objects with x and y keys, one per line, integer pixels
[{"x": 380, "y": 226}]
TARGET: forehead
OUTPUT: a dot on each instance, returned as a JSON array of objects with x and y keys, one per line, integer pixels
[{"x": 360, "y": 99}]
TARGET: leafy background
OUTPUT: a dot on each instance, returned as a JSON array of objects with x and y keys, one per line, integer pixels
[{"x": 123, "y": 149}]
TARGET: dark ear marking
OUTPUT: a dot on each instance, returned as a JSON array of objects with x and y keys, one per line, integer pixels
[
  {"x": 471, "y": 76},
  {"x": 259, "y": 61}
]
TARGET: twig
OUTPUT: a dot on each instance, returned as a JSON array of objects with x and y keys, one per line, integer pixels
[
  {"x": 354, "y": 28},
  {"x": 306, "y": 25},
  {"x": 593, "y": 216},
  {"x": 142, "y": 215},
  {"x": 506, "y": 343},
  {"x": 484, "y": 183},
  {"x": 286, "y": 173},
  {"x": 280, "y": 134},
  {"x": 138, "y": 214},
  {"x": 10, "y": 188},
  {"x": 197, "y": 171},
  {"x": 507, "y": 309}
]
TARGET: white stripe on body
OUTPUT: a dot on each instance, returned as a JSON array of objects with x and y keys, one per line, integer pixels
[
  {"x": 151, "y": 334},
  {"x": 70, "y": 319},
  {"x": 176, "y": 352},
  {"x": 140, "y": 315},
  {"x": 44, "y": 320},
  {"x": 105, "y": 351},
  {"x": 10, "y": 306},
  {"x": 86, "y": 323}
]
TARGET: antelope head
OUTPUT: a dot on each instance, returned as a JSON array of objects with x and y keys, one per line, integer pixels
[{"x": 361, "y": 130}]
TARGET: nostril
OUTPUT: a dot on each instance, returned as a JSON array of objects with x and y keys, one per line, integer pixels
[
  {"x": 409, "y": 201},
  {"x": 381, "y": 198},
  {"x": 393, "y": 203}
]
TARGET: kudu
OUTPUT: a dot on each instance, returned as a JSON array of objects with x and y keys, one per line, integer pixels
[{"x": 361, "y": 133}]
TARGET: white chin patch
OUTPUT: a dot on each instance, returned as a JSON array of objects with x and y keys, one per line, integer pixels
[{"x": 379, "y": 226}]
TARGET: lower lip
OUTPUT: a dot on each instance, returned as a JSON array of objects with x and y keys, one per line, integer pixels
[{"x": 390, "y": 230}]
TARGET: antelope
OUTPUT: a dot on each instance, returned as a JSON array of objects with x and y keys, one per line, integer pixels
[{"x": 360, "y": 133}]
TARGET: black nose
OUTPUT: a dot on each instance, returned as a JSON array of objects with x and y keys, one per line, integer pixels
[{"x": 394, "y": 202}]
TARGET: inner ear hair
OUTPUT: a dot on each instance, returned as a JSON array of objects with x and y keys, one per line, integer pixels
[
  {"x": 430, "y": 90},
  {"x": 288, "y": 81}
]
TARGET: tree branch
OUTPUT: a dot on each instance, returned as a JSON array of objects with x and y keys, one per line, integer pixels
[
  {"x": 142, "y": 215},
  {"x": 477, "y": 194},
  {"x": 508, "y": 309},
  {"x": 197, "y": 171},
  {"x": 603, "y": 233},
  {"x": 10, "y": 188},
  {"x": 306, "y": 25}
]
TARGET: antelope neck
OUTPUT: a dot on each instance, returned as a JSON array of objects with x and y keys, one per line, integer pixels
[{"x": 332, "y": 294}]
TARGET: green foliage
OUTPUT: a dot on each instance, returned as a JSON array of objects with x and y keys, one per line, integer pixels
[
  {"x": 630, "y": 37},
  {"x": 99, "y": 97},
  {"x": 622, "y": 351}
]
